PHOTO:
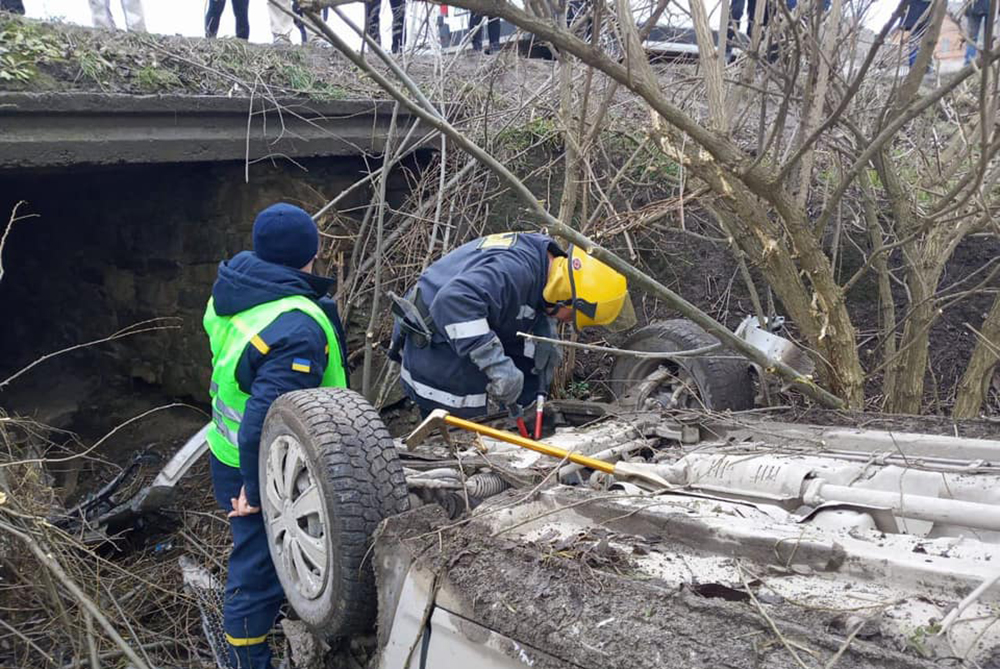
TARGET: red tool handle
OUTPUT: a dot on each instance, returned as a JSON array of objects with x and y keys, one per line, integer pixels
[
  {"x": 539, "y": 415},
  {"x": 522, "y": 428}
]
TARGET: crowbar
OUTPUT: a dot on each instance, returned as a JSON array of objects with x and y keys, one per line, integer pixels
[{"x": 439, "y": 419}]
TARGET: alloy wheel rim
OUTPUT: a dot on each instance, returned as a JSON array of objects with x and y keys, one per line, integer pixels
[{"x": 296, "y": 517}]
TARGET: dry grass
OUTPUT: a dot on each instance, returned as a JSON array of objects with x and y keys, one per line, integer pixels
[{"x": 135, "y": 585}]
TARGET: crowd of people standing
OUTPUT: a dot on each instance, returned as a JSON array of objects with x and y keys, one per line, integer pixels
[
  {"x": 284, "y": 23},
  {"x": 281, "y": 15}
]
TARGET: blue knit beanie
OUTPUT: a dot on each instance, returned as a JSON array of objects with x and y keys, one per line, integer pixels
[{"x": 285, "y": 235}]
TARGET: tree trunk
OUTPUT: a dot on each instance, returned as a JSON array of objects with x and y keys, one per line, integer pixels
[
  {"x": 886, "y": 303},
  {"x": 976, "y": 379},
  {"x": 820, "y": 313},
  {"x": 910, "y": 366}
]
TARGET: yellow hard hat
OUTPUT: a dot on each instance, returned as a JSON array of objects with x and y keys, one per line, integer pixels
[{"x": 598, "y": 294}]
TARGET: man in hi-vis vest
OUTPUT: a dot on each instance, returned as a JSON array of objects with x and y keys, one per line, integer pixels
[{"x": 271, "y": 332}]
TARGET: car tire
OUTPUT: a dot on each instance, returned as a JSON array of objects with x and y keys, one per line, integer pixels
[
  {"x": 719, "y": 380},
  {"x": 329, "y": 474}
]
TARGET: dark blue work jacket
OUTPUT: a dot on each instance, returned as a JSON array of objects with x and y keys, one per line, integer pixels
[{"x": 488, "y": 287}]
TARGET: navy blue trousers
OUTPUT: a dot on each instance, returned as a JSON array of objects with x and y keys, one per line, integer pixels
[{"x": 253, "y": 592}]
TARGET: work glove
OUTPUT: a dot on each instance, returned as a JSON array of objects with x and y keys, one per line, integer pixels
[
  {"x": 548, "y": 356},
  {"x": 506, "y": 380}
]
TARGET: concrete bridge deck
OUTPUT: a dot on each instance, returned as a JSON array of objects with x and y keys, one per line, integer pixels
[{"x": 44, "y": 130}]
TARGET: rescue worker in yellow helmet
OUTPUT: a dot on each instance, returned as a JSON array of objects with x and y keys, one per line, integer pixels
[{"x": 456, "y": 331}]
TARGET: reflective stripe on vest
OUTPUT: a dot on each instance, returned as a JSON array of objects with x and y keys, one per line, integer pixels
[{"x": 229, "y": 336}]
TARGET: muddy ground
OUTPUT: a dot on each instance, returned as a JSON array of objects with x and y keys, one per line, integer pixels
[{"x": 588, "y": 611}]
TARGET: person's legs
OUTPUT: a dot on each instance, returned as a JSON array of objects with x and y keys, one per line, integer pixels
[
  {"x": 751, "y": 13},
  {"x": 298, "y": 23},
  {"x": 281, "y": 23},
  {"x": 14, "y": 6},
  {"x": 733, "y": 26},
  {"x": 914, "y": 44},
  {"x": 253, "y": 593},
  {"x": 573, "y": 10},
  {"x": 310, "y": 36},
  {"x": 372, "y": 10},
  {"x": 242, "y": 14},
  {"x": 476, "y": 28},
  {"x": 493, "y": 31},
  {"x": 398, "y": 24},
  {"x": 100, "y": 10},
  {"x": 580, "y": 13},
  {"x": 975, "y": 25},
  {"x": 735, "y": 17},
  {"x": 134, "y": 19},
  {"x": 212, "y": 17}
]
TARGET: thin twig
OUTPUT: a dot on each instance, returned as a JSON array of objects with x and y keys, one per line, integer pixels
[
  {"x": 767, "y": 618},
  {"x": 28, "y": 641},
  {"x": 14, "y": 218},
  {"x": 112, "y": 654},
  {"x": 134, "y": 329},
  {"x": 610, "y": 350},
  {"x": 100, "y": 441},
  {"x": 969, "y": 600},
  {"x": 95, "y": 662}
]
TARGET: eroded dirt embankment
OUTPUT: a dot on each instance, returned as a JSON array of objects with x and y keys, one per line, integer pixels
[{"x": 55, "y": 57}]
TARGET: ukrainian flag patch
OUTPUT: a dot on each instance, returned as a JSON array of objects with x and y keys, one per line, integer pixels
[{"x": 301, "y": 365}]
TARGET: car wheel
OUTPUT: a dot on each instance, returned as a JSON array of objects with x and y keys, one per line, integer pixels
[
  {"x": 716, "y": 381},
  {"x": 329, "y": 474}
]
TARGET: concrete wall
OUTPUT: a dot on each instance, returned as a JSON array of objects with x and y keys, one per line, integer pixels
[{"x": 113, "y": 247}]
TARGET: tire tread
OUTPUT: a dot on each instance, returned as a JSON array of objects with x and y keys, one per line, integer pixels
[
  {"x": 725, "y": 382},
  {"x": 357, "y": 458}
]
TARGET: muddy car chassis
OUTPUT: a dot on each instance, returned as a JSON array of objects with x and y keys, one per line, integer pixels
[{"x": 771, "y": 545}]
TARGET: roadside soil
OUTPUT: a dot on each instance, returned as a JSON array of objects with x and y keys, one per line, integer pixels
[{"x": 74, "y": 59}]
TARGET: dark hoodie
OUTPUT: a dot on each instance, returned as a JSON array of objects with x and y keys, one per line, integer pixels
[{"x": 242, "y": 283}]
